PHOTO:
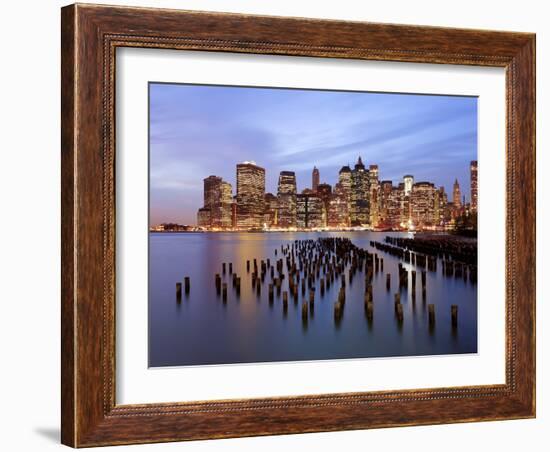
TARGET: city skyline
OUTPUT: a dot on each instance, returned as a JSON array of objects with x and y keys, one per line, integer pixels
[{"x": 197, "y": 131}]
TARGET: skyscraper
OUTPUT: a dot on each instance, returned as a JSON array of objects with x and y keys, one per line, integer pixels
[
  {"x": 286, "y": 196},
  {"x": 473, "y": 185},
  {"x": 423, "y": 204},
  {"x": 408, "y": 182},
  {"x": 309, "y": 211},
  {"x": 216, "y": 212},
  {"x": 359, "y": 195},
  {"x": 315, "y": 179},
  {"x": 338, "y": 212},
  {"x": 250, "y": 195},
  {"x": 457, "y": 203},
  {"x": 374, "y": 200}
]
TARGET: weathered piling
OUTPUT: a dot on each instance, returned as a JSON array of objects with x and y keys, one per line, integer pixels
[
  {"x": 338, "y": 311},
  {"x": 270, "y": 293},
  {"x": 224, "y": 292},
  {"x": 247, "y": 266},
  {"x": 388, "y": 282},
  {"x": 230, "y": 267},
  {"x": 285, "y": 298},
  {"x": 258, "y": 288},
  {"x": 238, "y": 285},
  {"x": 187, "y": 282},
  {"x": 399, "y": 312},
  {"x": 369, "y": 310},
  {"x": 178, "y": 291},
  {"x": 454, "y": 315},
  {"x": 322, "y": 287},
  {"x": 304, "y": 311},
  {"x": 431, "y": 314},
  {"x": 218, "y": 282},
  {"x": 223, "y": 268}
]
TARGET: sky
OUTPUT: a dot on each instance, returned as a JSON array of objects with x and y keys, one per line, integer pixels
[{"x": 196, "y": 131}]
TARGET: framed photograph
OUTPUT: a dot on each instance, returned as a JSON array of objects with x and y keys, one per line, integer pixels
[{"x": 282, "y": 225}]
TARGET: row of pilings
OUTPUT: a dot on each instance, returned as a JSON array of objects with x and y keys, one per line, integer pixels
[
  {"x": 330, "y": 261},
  {"x": 457, "y": 259}
]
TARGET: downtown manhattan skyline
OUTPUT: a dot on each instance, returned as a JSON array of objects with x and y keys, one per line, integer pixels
[{"x": 197, "y": 131}]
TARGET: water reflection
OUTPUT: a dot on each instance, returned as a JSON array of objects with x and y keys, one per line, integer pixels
[{"x": 238, "y": 318}]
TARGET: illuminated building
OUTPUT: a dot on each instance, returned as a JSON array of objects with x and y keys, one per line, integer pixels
[
  {"x": 456, "y": 195},
  {"x": 394, "y": 208},
  {"x": 270, "y": 212},
  {"x": 374, "y": 200},
  {"x": 324, "y": 191},
  {"x": 250, "y": 195},
  {"x": 359, "y": 195},
  {"x": 473, "y": 185},
  {"x": 408, "y": 182},
  {"x": 422, "y": 201},
  {"x": 309, "y": 211},
  {"x": 216, "y": 212},
  {"x": 315, "y": 179},
  {"x": 338, "y": 211},
  {"x": 204, "y": 217},
  {"x": 286, "y": 195}
]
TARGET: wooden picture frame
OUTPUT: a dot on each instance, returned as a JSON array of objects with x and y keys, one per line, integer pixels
[{"x": 90, "y": 36}]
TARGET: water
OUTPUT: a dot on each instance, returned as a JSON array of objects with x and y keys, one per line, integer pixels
[{"x": 201, "y": 329}]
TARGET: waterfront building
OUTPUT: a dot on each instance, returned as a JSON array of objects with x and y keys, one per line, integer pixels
[
  {"x": 216, "y": 212},
  {"x": 324, "y": 191},
  {"x": 394, "y": 206},
  {"x": 250, "y": 195},
  {"x": 383, "y": 201},
  {"x": 359, "y": 194},
  {"x": 309, "y": 211},
  {"x": 315, "y": 179},
  {"x": 473, "y": 185},
  {"x": 204, "y": 217},
  {"x": 408, "y": 182},
  {"x": 422, "y": 204},
  {"x": 374, "y": 200},
  {"x": 338, "y": 211},
  {"x": 270, "y": 212},
  {"x": 286, "y": 195},
  {"x": 456, "y": 195}
]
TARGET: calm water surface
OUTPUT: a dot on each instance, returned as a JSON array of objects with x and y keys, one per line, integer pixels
[{"x": 201, "y": 329}]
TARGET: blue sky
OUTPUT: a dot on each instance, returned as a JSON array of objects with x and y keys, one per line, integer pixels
[{"x": 197, "y": 131}]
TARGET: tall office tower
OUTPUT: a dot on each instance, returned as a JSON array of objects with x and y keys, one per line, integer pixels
[
  {"x": 315, "y": 179},
  {"x": 211, "y": 191},
  {"x": 324, "y": 192},
  {"x": 374, "y": 200},
  {"x": 309, "y": 211},
  {"x": 444, "y": 214},
  {"x": 408, "y": 182},
  {"x": 422, "y": 204},
  {"x": 473, "y": 185},
  {"x": 204, "y": 217},
  {"x": 286, "y": 195},
  {"x": 383, "y": 200},
  {"x": 338, "y": 211},
  {"x": 216, "y": 212},
  {"x": 456, "y": 195},
  {"x": 360, "y": 195},
  {"x": 250, "y": 195},
  {"x": 394, "y": 206},
  {"x": 225, "y": 206},
  {"x": 271, "y": 207}
]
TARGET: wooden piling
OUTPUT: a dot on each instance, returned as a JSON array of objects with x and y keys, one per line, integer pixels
[
  {"x": 224, "y": 292},
  {"x": 454, "y": 315},
  {"x": 178, "y": 291},
  {"x": 218, "y": 283},
  {"x": 431, "y": 314},
  {"x": 187, "y": 281},
  {"x": 388, "y": 282},
  {"x": 223, "y": 268}
]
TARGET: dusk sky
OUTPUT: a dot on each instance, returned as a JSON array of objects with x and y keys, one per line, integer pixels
[{"x": 197, "y": 131}]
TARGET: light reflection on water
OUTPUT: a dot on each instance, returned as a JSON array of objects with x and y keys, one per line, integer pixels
[{"x": 201, "y": 329}]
